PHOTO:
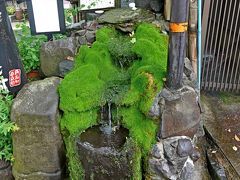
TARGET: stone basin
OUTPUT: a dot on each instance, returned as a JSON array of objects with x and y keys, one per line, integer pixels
[
  {"x": 105, "y": 156},
  {"x": 98, "y": 139}
]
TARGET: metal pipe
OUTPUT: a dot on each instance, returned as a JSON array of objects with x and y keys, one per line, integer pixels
[{"x": 199, "y": 42}]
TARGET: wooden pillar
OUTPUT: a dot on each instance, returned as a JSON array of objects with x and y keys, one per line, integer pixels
[
  {"x": 12, "y": 73},
  {"x": 177, "y": 43},
  {"x": 192, "y": 48},
  {"x": 167, "y": 9}
]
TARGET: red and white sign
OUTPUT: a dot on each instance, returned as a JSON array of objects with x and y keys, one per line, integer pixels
[{"x": 15, "y": 77}]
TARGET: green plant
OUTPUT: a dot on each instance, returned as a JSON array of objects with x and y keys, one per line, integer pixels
[
  {"x": 29, "y": 47},
  {"x": 71, "y": 12},
  {"x": 6, "y": 127},
  {"x": 11, "y": 10},
  {"x": 120, "y": 49}
]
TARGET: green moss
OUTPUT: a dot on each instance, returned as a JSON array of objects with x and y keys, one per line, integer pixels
[
  {"x": 229, "y": 98},
  {"x": 142, "y": 129},
  {"x": 97, "y": 80}
]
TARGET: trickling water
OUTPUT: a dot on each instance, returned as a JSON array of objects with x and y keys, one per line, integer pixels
[
  {"x": 109, "y": 115},
  {"x": 106, "y": 128}
]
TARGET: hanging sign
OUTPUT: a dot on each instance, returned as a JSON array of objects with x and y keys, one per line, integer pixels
[{"x": 46, "y": 16}]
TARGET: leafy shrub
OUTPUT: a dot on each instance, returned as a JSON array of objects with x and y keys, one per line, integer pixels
[
  {"x": 6, "y": 127},
  {"x": 11, "y": 10},
  {"x": 29, "y": 47}
]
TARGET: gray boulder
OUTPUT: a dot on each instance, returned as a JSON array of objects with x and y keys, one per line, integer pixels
[
  {"x": 65, "y": 67},
  {"x": 53, "y": 52},
  {"x": 38, "y": 146},
  {"x": 180, "y": 113},
  {"x": 125, "y": 19}
]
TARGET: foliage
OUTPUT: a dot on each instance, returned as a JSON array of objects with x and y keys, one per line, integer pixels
[
  {"x": 11, "y": 10},
  {"x": 71, "y": 12},
  {"x": 120, "y": 49},
  {"x": 59, "y": 36},
  {"x": 29, "y": 47},
  {"x": 96, "y": 80},
  {"x": 6, "y": 127}
]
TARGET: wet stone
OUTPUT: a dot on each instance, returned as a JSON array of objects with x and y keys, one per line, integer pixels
[{"x": 104, "y": 156}]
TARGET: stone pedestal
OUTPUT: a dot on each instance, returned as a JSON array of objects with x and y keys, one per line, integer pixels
[
  {"x": 37, "y": 145},
  {"x": 105, "y": 157}
]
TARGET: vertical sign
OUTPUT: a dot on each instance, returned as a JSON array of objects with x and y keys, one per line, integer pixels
[
  {"x": 12, "y": 75},
  {"x": 46, "y": 16}
]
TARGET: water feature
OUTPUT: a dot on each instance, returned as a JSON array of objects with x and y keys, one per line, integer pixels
[{"x": 104, "y": 150}]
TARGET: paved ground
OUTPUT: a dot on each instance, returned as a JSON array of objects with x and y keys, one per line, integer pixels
[{"x": 222, "y": 123}]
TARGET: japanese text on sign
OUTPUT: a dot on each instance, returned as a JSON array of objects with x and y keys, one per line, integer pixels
[{"x": 15, "y": 77}]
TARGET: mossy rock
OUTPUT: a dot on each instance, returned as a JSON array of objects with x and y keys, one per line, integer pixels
[{"x": 96, "y": 80}]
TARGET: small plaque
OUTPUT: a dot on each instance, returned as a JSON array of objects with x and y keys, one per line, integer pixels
[{"x": 15, "y": 77}]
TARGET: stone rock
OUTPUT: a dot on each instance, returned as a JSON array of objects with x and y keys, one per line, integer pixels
[
  {"x": 90, "y": 36},
  {"x": 189, "y": 77},
  {"x": 187, "y": 171},
  {"x": 165, "y": 163},
  {"x": 195, "y": 155},
  {"x": 215, "y": 167},
  {"x": 180, "y": 113},
  {"x": 52, "y": 53},
  {"x": 5, "y": 171},
  {"x": 92, "y": 25},
  {"x": 65, "y": 66},
  {"x": 155, "y": 111},
  {"x": 156, "y": 5},
  {"x": 184, "y": 148},
  {"x": 76, "y": 26},
  {"x": 38, "y": 146},
  {"x": 100, "y": 161},
  {"x": 126, "y": 15}
]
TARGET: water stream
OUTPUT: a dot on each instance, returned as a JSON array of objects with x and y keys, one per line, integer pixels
[{"x": 106, "y": 127}]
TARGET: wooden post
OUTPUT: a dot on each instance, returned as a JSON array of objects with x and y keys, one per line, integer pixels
[
  {"x": 167, "y": 9},
  {"x": 12, "y": 73},
  {"x": 177, "y": 43},
  {"x": 193, "y": 20}
]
